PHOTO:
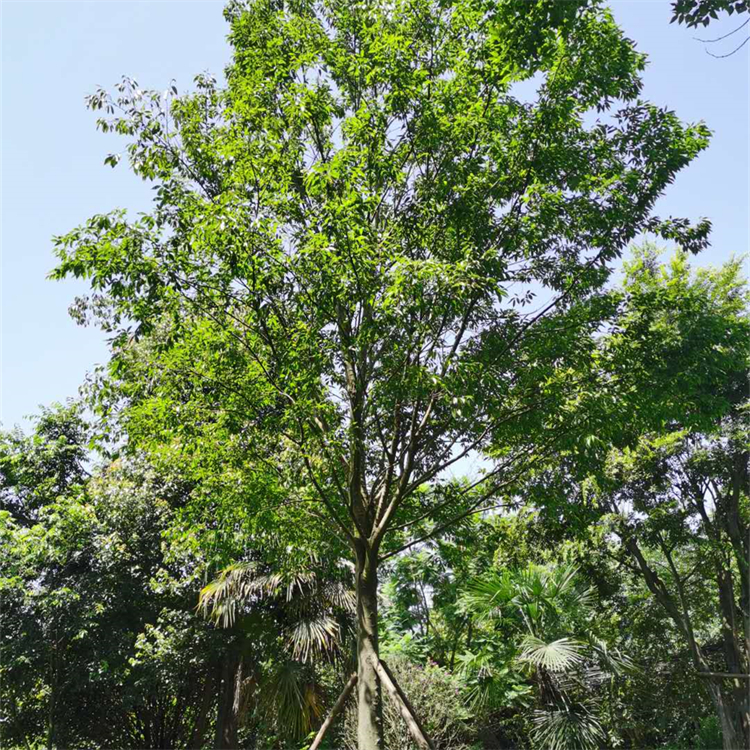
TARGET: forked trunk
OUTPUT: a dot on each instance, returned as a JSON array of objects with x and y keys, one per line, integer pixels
[{"x": 369, "y": 706}]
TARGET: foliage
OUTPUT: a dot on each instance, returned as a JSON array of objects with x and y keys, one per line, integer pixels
[
  {"x": 299, "y": 618},
  {"x": 435, "y": 695},
  {"x": 553, "y": 633},
  {"x": 37, "y": 469},
  {"x": 78, "y": 603},
  {"x": 291, "y": 298},
  {"x": 701, "y": 12},
  {"x": 102, "y": 645},
  {"x": 666, "y": 476},
  {"x": 371, "y": 259},
  {"x": 567, "y": 727}
]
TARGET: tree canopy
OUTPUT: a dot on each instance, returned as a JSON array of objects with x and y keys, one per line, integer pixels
[
  {"x": 369, "y": 254},
  {"x": 377, "y": 395}
]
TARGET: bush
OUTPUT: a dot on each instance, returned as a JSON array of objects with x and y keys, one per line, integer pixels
[{"x": 435, "y": 695}]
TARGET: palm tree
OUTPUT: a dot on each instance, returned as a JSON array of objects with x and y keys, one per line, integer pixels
[
  {"x": 551, "y": 612},
  {"x": 299, "y": 617}
]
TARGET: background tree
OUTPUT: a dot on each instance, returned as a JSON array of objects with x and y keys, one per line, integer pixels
[
  {"x": 666, "y": 463},
  {"x": 102, "y": 645},
  {"x": 36, "y": 469},
  {"x": 701, "y": 12},
  {"x": 79, "y": 608}
]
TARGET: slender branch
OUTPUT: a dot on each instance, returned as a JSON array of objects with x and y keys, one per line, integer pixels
[
  {"x": 729, "y": 54},
  {"x": 719, "y": 38},
  {"x": 327, "y": 502},
  {"x": 443, "y": 527}
]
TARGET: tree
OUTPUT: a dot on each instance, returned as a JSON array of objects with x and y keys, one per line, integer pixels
[
  {"x": 92, "y": 653},
  {"x": 369, "y": 258},
  {"x": 35, "y": 470},
  {"x": 555, "y": 615},
  {"x": 692, "y": 489},
  {"x": 99, "y": 579},
  {"x": 665, "y": 466}
]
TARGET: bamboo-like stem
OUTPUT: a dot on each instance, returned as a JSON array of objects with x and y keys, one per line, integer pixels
[
  {"x": 408, "y": 714},
  {"x": 335, "y": 711}
]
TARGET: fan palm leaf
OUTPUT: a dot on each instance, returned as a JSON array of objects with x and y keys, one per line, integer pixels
[
  {"x": 312, "y": 637},
  {"x": 555, "y": 656},
  {"x": 567, "y": 728}
]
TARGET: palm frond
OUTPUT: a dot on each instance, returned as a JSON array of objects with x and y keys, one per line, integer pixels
[
  {"x": 313, "y": 636},
  {"x": 292, "y": 700},
  {"x": 612, "y": 661},
  {"x": 486, "y": 595},
  {"x": 340, "y": 596},
  {"x": 482, "y": 676},
  {"x": 556, "y": 656},
  {"x": 235, "y": 585},
  {"x": 567, "y": 728}
]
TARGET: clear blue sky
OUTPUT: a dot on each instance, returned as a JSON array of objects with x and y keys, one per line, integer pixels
[{"x": 53, "y": 53}]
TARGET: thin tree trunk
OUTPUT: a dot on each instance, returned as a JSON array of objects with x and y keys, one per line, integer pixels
[
  {"x": 369, "y": 705},
  {"x": 201, "y": 720},
  {"x": 227, "y": 720},
  {"x": 736, "y": 699},
  {"x": 730, "y": 708}
]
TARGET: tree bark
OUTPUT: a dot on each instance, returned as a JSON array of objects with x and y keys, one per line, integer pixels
[
  {"x": 227, "y": 719},
  {"x": 369, "y": 700},
  {"x": 202, "y": 716},
  {"x": 730, "y": 738}
]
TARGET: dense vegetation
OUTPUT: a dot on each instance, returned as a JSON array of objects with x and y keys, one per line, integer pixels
[{"x": 378, "y": 401}]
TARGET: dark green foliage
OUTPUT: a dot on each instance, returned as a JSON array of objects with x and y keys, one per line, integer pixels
[
  {"x": 36, "y": 470},
  {"x": 702, "y": 12},
  {"x": 665, "y": 473},
  {"x": 86, "y": 635}
]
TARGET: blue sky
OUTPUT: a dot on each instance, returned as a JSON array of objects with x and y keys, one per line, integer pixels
[{"x": 53, "y": 53}]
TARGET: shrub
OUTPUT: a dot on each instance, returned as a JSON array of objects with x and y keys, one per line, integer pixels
[{"x": 435, "y": 695}]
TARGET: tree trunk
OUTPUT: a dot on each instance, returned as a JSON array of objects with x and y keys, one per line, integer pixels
[
  {"x": 736, "y": 699},
  {"x": 202, "y": 716},
  {"x": 369, "y": 706},
  {"x": 730, "y": 736},
  {"x": 731, "y": 706},
  {"x": 227, "y": 719}
]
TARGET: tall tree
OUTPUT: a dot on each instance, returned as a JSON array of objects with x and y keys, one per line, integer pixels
[
  {"x": 665, "y": 464},
  {"x": 369, "y": 257}
]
